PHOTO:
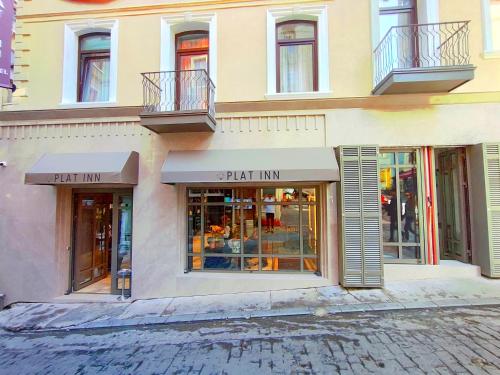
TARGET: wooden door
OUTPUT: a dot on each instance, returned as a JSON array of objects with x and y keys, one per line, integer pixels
[{"x": 92, "y": 238}]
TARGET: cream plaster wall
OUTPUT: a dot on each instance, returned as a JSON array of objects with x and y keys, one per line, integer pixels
[
  {"x": 35, "y": 221},
  {"x": 241, "y": 46}
]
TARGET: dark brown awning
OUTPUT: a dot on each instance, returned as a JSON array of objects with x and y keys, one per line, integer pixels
[
  {"x": 250, "y": 165},
  {"x": 85, "y": 168}
]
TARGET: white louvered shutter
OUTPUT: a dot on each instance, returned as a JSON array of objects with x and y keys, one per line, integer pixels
[
  {"x": 361, "y": 247},
  {"x": 492, "y": 166}
]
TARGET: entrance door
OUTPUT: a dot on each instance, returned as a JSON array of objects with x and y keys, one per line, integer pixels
[
  {"x": 102, "y": 241},
  {"x": 453, "y": 207},
  {"x": 192, "y": 70},
  {"x": 92, "y": 238}
]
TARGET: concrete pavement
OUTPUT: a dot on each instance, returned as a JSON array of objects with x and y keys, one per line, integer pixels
[{"x": 317, "y": 301}]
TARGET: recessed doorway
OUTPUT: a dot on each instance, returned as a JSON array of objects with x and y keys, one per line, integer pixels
[
  {"x": 102, "y": 241},
  {"x": 453, "y": 204}
]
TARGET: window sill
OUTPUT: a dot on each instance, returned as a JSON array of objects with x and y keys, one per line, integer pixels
[
  {"x": 491, "y": 55},
  {"x": 87, "y": 105},
  {"x": 299, "y": 95}
]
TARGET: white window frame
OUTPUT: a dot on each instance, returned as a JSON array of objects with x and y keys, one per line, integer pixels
[
  {"x": 488, "y": 51},
  {"x": 72, "y": 32},
  {"x": 317, "y": 13},
  {"x": 175, "y": 24}
]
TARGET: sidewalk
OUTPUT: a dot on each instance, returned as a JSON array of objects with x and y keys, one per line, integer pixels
[{"x": 318, "y": 301}]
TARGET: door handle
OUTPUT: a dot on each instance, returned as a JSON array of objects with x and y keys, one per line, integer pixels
[{"x": 68, "y": 248}]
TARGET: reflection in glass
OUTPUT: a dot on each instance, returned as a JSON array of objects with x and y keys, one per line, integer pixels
[
  {"x": 310, "y": 264},
  {"x": 222, "y": 263},
  {"x": 409, "y": 204},
  {"x": 194, "y": 229},
  {"x": 289, "y": 31},
  {"x": 124, "y": 238},
  {"x": 395, "y": 3},
  {"x": 282, "y": 236},
  {"x": 387, "y": 158},
  {"x": 251, "y": 264},
  {"x": 309, "y": 195},
  {"x": 391, "y": 252},
  {"x": 194, "y": 263},
  {"x": 411, "y": 252},
  {"x": 407, "y": 158},
  {"x": 389, "y": 204},
  {"x": 222, "y": 229},
  {"x": 309, "y": 230},
  {"x": 280, "y": 264},
  {"x": 194, "y": 195}
]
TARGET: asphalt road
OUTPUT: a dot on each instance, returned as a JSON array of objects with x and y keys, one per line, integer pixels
[{"x": 435, "y": 341}]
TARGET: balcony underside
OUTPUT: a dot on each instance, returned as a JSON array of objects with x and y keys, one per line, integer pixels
[
  {"x": 178, "y": 121},
  {"x": 424, "y": 80}
]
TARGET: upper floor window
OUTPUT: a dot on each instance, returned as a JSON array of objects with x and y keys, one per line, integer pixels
[
  {"x": 495, "y": 24},
  {"x": 396, "y": 13},
  {"x": 192, "y": 50},
  {"x": 90, "y": 63},
  {"x": 297, "y": 57},
  {"x": 94, "y": 67}
]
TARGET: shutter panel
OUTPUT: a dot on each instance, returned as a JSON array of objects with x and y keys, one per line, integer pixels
[
  {"x": 360, "y": 226},
  {"x": 491, "y": 154}
]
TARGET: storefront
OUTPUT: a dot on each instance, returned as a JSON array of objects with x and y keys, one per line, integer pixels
[
  {"x": 253, "y": 210},
  {"x": 101, "y": 210}
]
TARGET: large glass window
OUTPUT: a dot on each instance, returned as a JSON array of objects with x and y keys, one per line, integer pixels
[
  {"x": 296, "y": 56},
  {"x": 94, "y": 59},
  {"x": 401, "y": 213},
  {"x": 253, "y": 229}
]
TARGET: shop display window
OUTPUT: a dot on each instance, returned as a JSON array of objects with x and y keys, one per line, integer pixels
[{"x": 253, "y": 229}]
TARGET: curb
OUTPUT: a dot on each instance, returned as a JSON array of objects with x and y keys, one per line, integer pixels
[{"x": 295, "y": 311}]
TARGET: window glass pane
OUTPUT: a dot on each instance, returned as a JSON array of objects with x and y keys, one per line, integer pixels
[
  {"x": 194, "y": 195},
  {"x": 495, "y": 24},
  {"x": 280, "y": 230},
  {"x": 219, "y": 196},
  {"x": 407, "y": 157},
  {"x": 124, "y": 232},
  {"x": 391, "y": 252},
  {"x": 95, "y": 79},
  {"x": 409, "y": 204},
  {"x": 250, "y": 230},
  {"x": 309, "y": 229},
  {"x": 310, "y": 264},
  {"x": 222, "y": 229},
  {"x": 411, "y": 252},
  {"x": 251, "y": 264},
  {"x": 194, "y": 263},
  {"x": 284, "y": 194},
  {"x": 395, "y": 3},
  {"x": 296, "y": 68},
  {"x": 309, "y": 195},
  {"x": 387, "y": 158},
  {"x": 95, "y": 43},
  {"x": 280, "y": 264},
  {"x": 222, "y": 263},
  {"x": 194, "y": 229},
  {"x": 190, "y": 41},
  {"x": 247, "y": 196},
  {"x": 291, "y": 31},
  {"x": 389, "y": 204}
]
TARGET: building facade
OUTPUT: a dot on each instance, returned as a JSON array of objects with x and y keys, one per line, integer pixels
[{"x": 227, "y": 146}]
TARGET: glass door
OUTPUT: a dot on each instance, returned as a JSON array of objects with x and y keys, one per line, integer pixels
[
  {"x": 92, "y": 238},
  {"x": 102, "y": 242},
  {"x": 401, "y": 206},
  {"x": 122, "y": 248},
  {"x": 192, "y": 71},
  {"x": 450, "y": 215}
]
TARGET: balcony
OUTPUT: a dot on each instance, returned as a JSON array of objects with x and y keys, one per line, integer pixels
[
  {"x": 178, "y": 101},
  {"x": 425, "y": 58}
]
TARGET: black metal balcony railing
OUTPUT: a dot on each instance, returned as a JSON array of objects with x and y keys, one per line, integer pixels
[
  {"x": 430, "y": 45},
  {"x": 178, "y": 90}
]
